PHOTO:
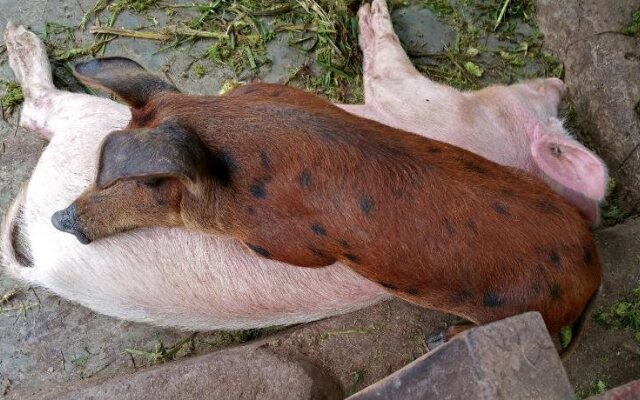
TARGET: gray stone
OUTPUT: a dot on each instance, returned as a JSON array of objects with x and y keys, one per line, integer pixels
[
  {"x": 245, "y": 372},
  {"x": 509, "y": 359},
  {"x": 421, "y": 32},
  {"x": 602, "y": 67},
  {"x": 630, "y": 391}
]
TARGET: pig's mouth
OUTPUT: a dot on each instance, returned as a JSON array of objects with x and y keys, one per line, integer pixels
[{"x": 65, "y": 221}]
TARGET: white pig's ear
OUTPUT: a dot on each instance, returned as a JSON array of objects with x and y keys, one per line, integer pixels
[
  {"x": 124, "y": 77},
  {"x": 569, "y": 164}
]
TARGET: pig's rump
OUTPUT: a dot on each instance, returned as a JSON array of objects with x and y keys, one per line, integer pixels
[{"x": 166, "y": 277}]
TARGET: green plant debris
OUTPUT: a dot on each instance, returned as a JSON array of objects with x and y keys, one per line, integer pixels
[
  {"x": 5, "y": 298},
  {"x": 473, "y": 69},
  {"x": 135, "y": 6},
  {"x": 12, "y": 95},
  {"x": 80, "y": 362},
  {"x": 239, "y": 32},
  {"x": 20, "y": 308},
  {"x": 228, "y": 86},
  {"x": 624, "y": 314},
  {"x": 500, "y": 37},
  {"x": 611, "y": 211},
  {"x": 161, "y": 353},
  {"x": 497, "y": 41},
  {"x": 199, "y": 70},
  {"x": 633, "y": 29},
  {"x": 356, "y": 376},
  {"x": 598, "y": 386},
  {"x": 566, "y": 334},
  {"x": 223, "y": 339}
]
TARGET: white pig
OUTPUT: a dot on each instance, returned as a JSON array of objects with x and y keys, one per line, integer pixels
[{"x": 170, "y": 277}]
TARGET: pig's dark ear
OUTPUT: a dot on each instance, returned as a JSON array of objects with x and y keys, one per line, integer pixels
[
  {"x": 168, "y": 150},
  {"x": 124, "y": 77}
]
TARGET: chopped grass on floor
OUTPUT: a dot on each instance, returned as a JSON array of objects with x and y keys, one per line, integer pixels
[
  {"x": 12, "y": 95},
  {"x": 497, "y": 42},
  {"x": 624, "y": 314},
  {"x": 598, "y": 386},
  {"x": 5, "y": 298},
  {"x": 611, "y": 211},
  {"x": 228, "y": 338},
  {"x": 161, "y": 353}
]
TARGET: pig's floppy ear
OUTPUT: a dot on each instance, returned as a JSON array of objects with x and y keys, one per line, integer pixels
[
  {"x": 570, "y": 164},
  {"x": 124, "y": 77},
  {"x": 168, "y": 150}
]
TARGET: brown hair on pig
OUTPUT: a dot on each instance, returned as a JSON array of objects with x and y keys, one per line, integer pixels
[{"x": 301, "y": 181}]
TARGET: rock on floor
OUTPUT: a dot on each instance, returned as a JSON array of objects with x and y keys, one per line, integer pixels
[{"x": 602, "y": 71}]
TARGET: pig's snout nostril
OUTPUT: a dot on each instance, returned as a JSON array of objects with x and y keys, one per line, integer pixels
[{"x": 65, "y": 221}]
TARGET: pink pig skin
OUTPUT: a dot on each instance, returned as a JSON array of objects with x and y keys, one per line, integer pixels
[{"x": 170, "y": 277}]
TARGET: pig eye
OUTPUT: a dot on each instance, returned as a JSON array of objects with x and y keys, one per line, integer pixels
[{"x": 151, "y": 182}]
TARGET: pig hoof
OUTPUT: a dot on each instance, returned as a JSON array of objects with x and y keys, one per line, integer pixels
[
  {"x": 380, "y": 19},
  {"x": 435, "y": 340},
  {"x": 27, "y": 58}
]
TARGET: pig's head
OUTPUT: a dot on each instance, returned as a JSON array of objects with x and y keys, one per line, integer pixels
[
  {"x": 566, "y": 165},
  {"x": 146, "y": 177}
]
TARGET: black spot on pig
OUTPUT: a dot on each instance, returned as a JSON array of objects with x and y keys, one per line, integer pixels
[
  {"x": 318, "y": 229},
  {"x": 305, "y": 178},
  {"x": 352, "y": 258},
  {"x": 554, "y": 291},
  {"x": 366, "y": 204},
  {"x": 501, "y": 209},
  {"x": 434, "y": 150},
  {"x": 473, "y": 167},
  {"x": 588, "y": 255},
  {"x": 554, "y": 257},
  {"x": 251, "y": 210},
  {"x": 264, "y": 160},
  {"x": 344, "y": 244},
  {"x": 449, "y": 227},
  {"x": 258, "y": 190},
  {"x": 492, "y": 300},
  {"x": 259, "y": 250}
]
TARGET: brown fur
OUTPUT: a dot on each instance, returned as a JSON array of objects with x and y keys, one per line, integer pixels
[{"x": 301, "y": 181}]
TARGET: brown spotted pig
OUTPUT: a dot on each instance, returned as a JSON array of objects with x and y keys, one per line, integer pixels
[{"x": 304, "y": 182}]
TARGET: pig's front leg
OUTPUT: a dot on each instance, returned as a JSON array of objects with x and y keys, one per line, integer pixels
[{"x": 47, "y": 110}]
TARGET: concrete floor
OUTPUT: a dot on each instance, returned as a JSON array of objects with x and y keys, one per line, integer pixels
[{"x": 49, "y": 341}]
